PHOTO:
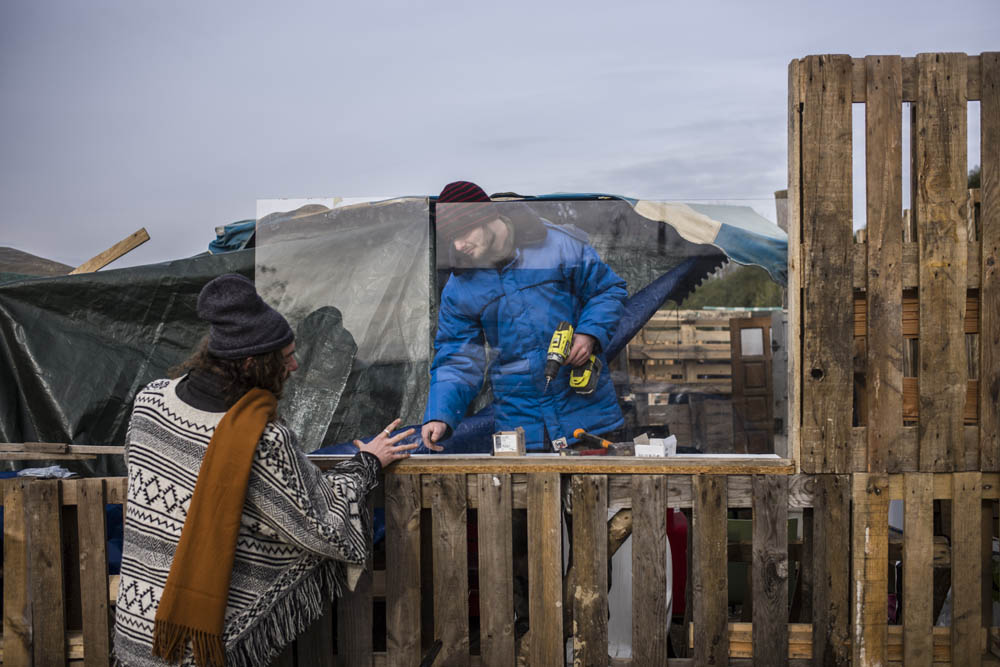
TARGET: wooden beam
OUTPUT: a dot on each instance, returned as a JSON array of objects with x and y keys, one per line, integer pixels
[
  {"x": 127, "y": 244},
  {"x": 989, "y": 264}
]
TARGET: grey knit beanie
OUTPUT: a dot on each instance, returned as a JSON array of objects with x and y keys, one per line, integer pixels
[{"x": 242, "y": 324}]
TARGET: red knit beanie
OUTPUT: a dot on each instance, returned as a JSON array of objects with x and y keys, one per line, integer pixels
[{"x": 469, "y": 206}]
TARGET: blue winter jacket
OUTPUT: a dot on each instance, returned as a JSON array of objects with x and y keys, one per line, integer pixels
[{"x": 515, "y": 309}]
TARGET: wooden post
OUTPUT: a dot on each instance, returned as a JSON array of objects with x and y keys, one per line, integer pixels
[
  {"x": 545, "y": 569},
  {"x": 831, "y": 570},
  {"x": 828, "y": 312},
  {"x": 93, "y": 572},
  {"x": 770, "y": 570},
  {"x": 496, "y": 570},
  {"x": 795, "y": 267},
  {"x": 589, "y": 597},
  {"x": 966, "y": 568},
  {"x": 918, "y": 571},
  {"x": 884, "y": 335},
  {"x": 48, "y": 609},
  {"x": 940, "y": 165},
  {"x": 869, "y": 557},
  {"x": 710, "y": 594},
  {"x": 650, "y": 623},
  {"x": 989, "y": 286},
  {"x": 402, "y": 571},
  {"x": 451, "y": 568},
  {"x": 18, "y": 638}
]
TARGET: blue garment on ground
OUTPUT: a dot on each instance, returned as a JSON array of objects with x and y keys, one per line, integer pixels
[{"x": 515, "y": 310}]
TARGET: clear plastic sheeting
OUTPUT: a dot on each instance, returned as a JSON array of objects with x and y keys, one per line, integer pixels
[{"x": 355, "y": 283}]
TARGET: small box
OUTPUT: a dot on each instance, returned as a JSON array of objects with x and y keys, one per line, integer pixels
[
  {"x": 657, "y": 447},
  {"x": 509, "y": 443}
]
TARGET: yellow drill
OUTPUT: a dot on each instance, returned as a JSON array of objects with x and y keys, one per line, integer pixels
[{"x": 562, "y": 339}]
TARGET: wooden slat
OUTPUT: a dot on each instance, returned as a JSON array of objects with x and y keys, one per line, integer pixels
[
  {"x": 451, "y": 578},
  {"x": 354, "y": 619},
  {"x": 909, "y": 79},
  {"x": 770, "y": 570},
  {"x": 794, "y": 259},
  {"x": 589, "y": 595},
  {"x": 496, "y": 570},
  {"x": 545, "y": 570},
  {"x": 910, "y": 265},
  {"x": 17, "y": 629},
  {"x": 940, "y": 167},
  {"x": 831, "y": 569},
  {"x": 41, "y": 499},
  {"x": 650, "y": 623},
  {"x": 869, "y": 552},
  {"x": 989, "y": 291},
  {"x": 827, "y": 245},
  {"x": 423, "y": 464},
  {"x": 884, "y": 190},
  {"x": 94, "y": 572},
  {"x": 966, "y": 568},
  {"x": 402, "y": 558},
  {"x": 917, "y": 567},
  {"x": 711, "y": 582},
  {"x": 315, "y": 645},
  {"x": 127, "y": 244}
]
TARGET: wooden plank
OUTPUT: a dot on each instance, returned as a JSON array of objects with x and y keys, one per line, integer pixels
[
  {"x": 869, "y": 552},
  {"x": 989, "y": 291},
  {"x": 884, "y": 190},
  {"x": 496, "y": 570},
  {"x": 831, "y": 570},
  {"x": 545, "y": 598},
  {"x": 794, "y": 291},
  {"x": 770, "y": 570},
  {"x": 127, "y": 244},
  {"x": 94, "y": 572},
  {"x": 827, "y": 369},
  {"x": 451, "y": 568},
  {"x": 18, "y": 637},
  {"x": 910, "y": 266},
  {"x": 909, "y": 82},
  {"x": 354, "y": 619},
  {"x": 41, "y": 500},
  {"x": 940, "y": 167},
  {"x": 650, "y": 622},
  {"x": 402, "y": 565},
  {"x": 710, "y": 592},
  {"x": 315, "y": 645},
  {"x": 966, "y": 568},
  {"x": 917, "y": 567},
  {"x": 589, "y": 594}
]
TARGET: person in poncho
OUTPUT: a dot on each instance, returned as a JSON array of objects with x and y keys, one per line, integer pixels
[{"x": 233, "y": 539}]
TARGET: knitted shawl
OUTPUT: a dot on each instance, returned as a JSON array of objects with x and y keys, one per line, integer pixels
[{"x": 303, "y": 534}]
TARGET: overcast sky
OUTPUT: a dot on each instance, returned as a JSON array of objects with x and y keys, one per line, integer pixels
[{"x": 178, "y": 116}]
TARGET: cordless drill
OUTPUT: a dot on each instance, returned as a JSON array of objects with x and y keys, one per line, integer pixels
[{"x": 582, "y": 379}]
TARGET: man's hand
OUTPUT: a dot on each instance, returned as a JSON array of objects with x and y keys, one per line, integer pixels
[
  {"x": 386, "y": 446},
  {"x": 583, "y": 346},
  {"x": 431, "y": 432}
]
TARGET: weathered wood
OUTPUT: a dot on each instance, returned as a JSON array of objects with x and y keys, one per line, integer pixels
[
  {"x": 770, "y": 570},
  {"x": 402, "y": 568},
  {"x": 315, "y": 645},
  {"x": 831, "y": 570},
  {"x": 17, "y": 629},
  {"x": 909, "y": 79},
  {"x": 869, "y": 555},
  {"x": 48, "y": 613},
  {"x": 710, "y": 592},
  {"x": 496, "y": 601},
  {"x": 545, "y": 570},
  {"x": 989, "y": 291},
  {"x": 127, "y": 244},
  {"x": 884, "y": 190},
  {"x": 450, "y": 562},
  {"x": 917, "y": 567},
  {"x": 354, "y": 619},
  {"x": 910, "y": 263},
  {"x": 94, "y": 572},
  {"x": 966, "y": 568},
  {"x": 650, "y": 622},
  {"x": 939, "y": 162},
  {"x": 827, "y": 346},
  {"x": 589, "y": 596}
]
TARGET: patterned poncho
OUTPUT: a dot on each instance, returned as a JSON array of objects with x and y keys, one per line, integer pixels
[{"x": 303, "y": 532}]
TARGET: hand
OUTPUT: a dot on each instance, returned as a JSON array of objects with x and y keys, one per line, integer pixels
[
  {"x": 583, "y": 346},
  {"x": 384, "y": 446},
  {"x": 431, "y": 432}
]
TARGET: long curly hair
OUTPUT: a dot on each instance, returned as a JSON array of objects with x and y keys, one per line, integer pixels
[{"x": 266, "y": 371}]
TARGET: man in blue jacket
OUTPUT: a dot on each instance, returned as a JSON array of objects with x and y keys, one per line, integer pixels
[{"x": 515, "y": 276}]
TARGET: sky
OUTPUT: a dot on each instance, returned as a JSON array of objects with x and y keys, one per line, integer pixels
[{"x": 179, "y": 116}]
